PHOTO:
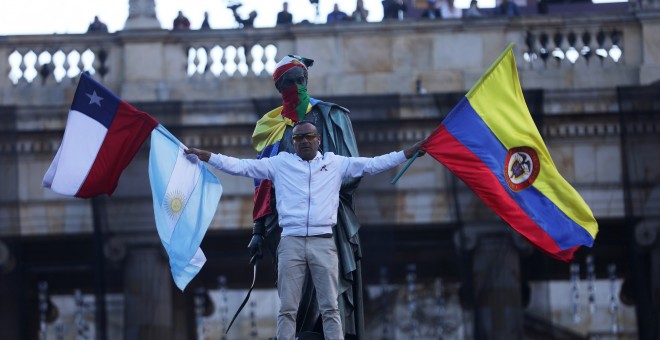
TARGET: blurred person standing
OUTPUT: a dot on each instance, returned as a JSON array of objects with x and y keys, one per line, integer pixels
[
  {"x": 336, "y": 15},
  {"x": 360, "y": 14},
  {"x": 284, "y": 17},
  {"x": 431, "y": 12},
  {"x": 507, "y": 8},
  {"x": 97, "y": 26},
  {"x": 473, "y": 11},
  {"x": 394, "y": 9},
  {"x": 180, "y": 23},
  {"x": 449, "y": 11},
  {"x": 205, "y": 23}
]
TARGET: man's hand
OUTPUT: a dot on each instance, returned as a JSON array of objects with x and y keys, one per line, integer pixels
[
  {"x": 201, "y": 154},
  {"x": 409, "y": 152}
]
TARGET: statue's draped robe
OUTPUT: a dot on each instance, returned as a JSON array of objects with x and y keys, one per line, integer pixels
[{"x": 336, "y": 130}]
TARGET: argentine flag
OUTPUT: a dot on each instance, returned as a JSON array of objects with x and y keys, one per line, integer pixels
[{"x": 186, "y": 195}]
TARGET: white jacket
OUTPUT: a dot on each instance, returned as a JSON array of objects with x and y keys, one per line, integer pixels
[{"x": 307, "y": 191}]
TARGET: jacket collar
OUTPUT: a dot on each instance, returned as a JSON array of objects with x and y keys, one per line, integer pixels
[{"x": 318, "y": 156}]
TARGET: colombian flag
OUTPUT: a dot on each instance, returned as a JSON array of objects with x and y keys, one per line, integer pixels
[{"x": 489, "y": 141}]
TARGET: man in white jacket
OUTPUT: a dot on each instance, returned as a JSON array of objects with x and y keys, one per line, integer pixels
[{"x": 307, "y": 185}]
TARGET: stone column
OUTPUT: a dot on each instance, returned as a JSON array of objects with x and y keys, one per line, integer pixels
[
  {"x": 147, "y": 294},
  {"x": 11, "y": 295},
  {"x": 649, "y": 70},
  {"x": 142, "y": 15},
  {"x": 655, "y": 281},
  {"x": 647, "y": 235},
  {"x": 496, "y": 280}
]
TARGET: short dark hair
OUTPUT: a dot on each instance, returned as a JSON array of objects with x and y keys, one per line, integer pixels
[{"x": 303, "y": 122}]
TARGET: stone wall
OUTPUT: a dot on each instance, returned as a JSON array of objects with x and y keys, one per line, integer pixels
[
  {"x": 399, "y": 80},
  {"x": 554, "y": 53}
]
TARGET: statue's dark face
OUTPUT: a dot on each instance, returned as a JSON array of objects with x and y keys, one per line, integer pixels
[
  {"x": 294, "y": 76},
  {"x": 306, "y": 141}
]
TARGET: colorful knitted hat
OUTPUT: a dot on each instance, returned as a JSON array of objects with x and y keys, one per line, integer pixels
[{"x": 289, "y": 62}]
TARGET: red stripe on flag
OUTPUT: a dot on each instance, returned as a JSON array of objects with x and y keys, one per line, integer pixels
[
  {"x": 128, "y": 130},
  {"x": 262, "y": 200},
  {"x": 442, "y": 146}
]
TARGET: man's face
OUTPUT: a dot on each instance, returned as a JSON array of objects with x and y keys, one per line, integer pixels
[
  {"x": 306, "y": 141},
  {"x": 294, "y": 76}
]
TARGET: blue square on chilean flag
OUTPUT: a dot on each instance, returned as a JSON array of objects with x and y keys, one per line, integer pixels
[{"x": 94, "y": 100}]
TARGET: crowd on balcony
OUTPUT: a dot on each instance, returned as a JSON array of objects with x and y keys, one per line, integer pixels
[{"x": 392, "y": 10}]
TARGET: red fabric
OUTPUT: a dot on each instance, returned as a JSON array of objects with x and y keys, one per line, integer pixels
[
  {"x": 282, "y": 69},
  {"x": 128, "y": 130},
  {"x": 262, "y": 200},
  {"x": 442, "y": 146},
  {"x": 290, "y": 101}
]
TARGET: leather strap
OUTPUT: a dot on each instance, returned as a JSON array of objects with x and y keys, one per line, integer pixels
[{"x": 247, "y": 297}]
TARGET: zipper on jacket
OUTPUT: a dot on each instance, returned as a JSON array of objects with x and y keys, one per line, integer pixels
[{"x": 309, "y": 194}]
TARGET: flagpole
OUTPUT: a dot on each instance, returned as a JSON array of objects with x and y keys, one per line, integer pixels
[
  {"x": 99, "y": 218},
  {"x": 412, "y": 159}
]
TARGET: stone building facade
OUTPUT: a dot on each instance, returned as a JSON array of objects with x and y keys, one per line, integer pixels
[{"x": 590, "y": 82}]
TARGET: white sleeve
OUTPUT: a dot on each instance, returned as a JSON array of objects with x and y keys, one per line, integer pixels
[
  {"x": 255, "y": 168},
  {"x": 358, "y": 166}
]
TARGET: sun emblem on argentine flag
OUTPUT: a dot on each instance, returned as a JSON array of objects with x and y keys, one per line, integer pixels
[{"x": 174, "y": 203}]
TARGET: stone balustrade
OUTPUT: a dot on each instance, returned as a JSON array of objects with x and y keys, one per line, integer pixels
[
  {"x": 577, "y": 52},
  {"x": 398, "y": 79}
]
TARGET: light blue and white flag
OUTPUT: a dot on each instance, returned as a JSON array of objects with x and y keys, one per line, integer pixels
[{"x": 186, "y": 195}]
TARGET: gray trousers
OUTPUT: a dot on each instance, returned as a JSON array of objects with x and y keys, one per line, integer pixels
[{"x": 295, "y": 256}]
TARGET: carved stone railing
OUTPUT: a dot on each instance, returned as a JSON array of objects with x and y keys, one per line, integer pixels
[
  {"x": 577, "y": 52},
  {"x": 209, "y": 91},
  {"x": 55, "y": 59}
]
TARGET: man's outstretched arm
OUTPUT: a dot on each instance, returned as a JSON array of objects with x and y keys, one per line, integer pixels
[
  {"x": 359, "y": 166},
  {"x": 255, "y": 168}
]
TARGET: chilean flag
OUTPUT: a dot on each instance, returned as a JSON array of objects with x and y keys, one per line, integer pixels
[{"x": 102, "y": 135}]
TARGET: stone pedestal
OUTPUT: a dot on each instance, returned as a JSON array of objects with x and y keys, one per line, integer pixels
[
  {"x": 147, "y": 295},
  {"x": 11, "y": 295},
  {"x": 647, "y": 235},
  {"x": 142, "y": 15},
  {"x": 655, "y": 280},
  {"x": 496, "y": 285},
  {"x": 650, "y": 68}
]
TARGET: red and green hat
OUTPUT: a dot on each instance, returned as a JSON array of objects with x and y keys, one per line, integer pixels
[{"x": 289, "y": 62}]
